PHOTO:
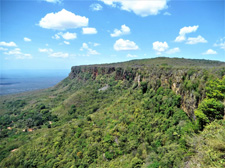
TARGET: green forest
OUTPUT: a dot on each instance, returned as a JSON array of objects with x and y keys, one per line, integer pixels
[{"x": 153, "y": 113}]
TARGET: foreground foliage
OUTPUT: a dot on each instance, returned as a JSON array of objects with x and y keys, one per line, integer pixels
[{"x": 209, "y": 146}]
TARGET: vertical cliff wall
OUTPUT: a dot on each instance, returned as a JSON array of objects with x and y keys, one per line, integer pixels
[{"x": 187, "y": 82}]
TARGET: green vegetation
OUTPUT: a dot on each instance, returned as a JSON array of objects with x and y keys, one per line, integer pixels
[
  {"x": 212, "y": 107},
  {"x": 209, "y": 147},
  {"x": 138, "y": 120}
]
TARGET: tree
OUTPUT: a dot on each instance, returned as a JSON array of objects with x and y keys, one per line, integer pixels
[{"x": 209, "y": 110}]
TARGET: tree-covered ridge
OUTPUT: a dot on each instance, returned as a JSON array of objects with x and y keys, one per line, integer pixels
[
  {"x": 120, "y": 117},
  {"x": 165, "y": 61}
]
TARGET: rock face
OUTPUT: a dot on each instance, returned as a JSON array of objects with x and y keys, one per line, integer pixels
[{"x": 168, "y": 77}]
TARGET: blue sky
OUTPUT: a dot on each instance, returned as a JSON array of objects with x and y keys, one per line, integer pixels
[{"x": 58, "y": 34}]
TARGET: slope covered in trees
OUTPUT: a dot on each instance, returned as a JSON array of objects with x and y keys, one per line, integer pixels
[{"x": 144, "y": 113}]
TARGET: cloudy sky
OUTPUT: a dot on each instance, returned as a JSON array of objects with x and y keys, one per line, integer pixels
[{"x": 57, "y": 34}]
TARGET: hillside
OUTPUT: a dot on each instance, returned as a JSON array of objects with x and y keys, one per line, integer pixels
[{"x": 159, "y": 112}]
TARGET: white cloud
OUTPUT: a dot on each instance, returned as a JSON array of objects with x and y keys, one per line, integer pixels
[
  {"x": 173, "y": 50},
  {"x": 15, "y": 51},
  {"x": 93, "y": 44},
  {"x": 167, "y": 14},
  {"x": 69, "y": 36},
  {"x": 26, "y": 39},
  {"x": 59, "y": 55},
  {"x": 18, "y": 54},
  {"x": 220, "y": 43},
  {"x": 54, "y": 1},
  {"x": 163, "y": 47},
  {"x": 63, "y": 20},
  {"x": 96, "y": 44},
  {"x": 131, "y": 56},
  {"x": 210, "y": 52},
  {"x": 45, "y": 50},
  {"x": 90, "y": 51},
  {"x": 84, "y": 46},
  {"x": 184, "y": 31},
  {"x": 50, "y": 53},
  {"x": 96, "y": 7},
  {"x": 141, "y": 8},
  {"x": 10, "y": 44},
  {"x": 195, "y": 40},
  {"x": 124, "y": 30},
  {"x": 188, "y": 29},
  {"x": 160, "y": 46},
  {"x": 24, "y": 56},
  {"x": 180, "y": 38},
  {"x": 67, "y": 42},
  {"x": 56, "y": 36},
  {"x": 3, "y": 49},
  {"x": 66, "y": 36},
  {"x": 89, "y": 30},
  {"x": 122, "y": 44}
]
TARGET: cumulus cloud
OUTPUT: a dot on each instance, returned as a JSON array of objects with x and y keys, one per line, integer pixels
[
  {"x": 123, "y": 45},
  {"x": 180, "y": 38},
  {"x": 184, "y": 31},
  {"x": 167, "y": 14},
  {"x": 3, "y": 49},
  {"x": 195, "y": 40},
  {"x": 15, "y": 51},
  {"x": 84, "y": 46},
  {"x": 89, "y": 30},
  {"x": 96, "y": 44},
  {"x": 89, "y": 51},
  {"x": 45, "y": 50},
  {"x": 93, "y": 44},
  {"x": 63, "y": 20},
  {"x": 50, "y": 53},
  {"x": 141, "y": 8},
  {"x": 124, "y": 30},
  {"x": 96, "y": 7},
  {"x": 69, "y": 36},
  {"x": 173, "y": 50},
  {"x": 220, "y": 43},
  {"x": 131, "y": 56},
  {"x": 18, "y": 54},
  {"x": 67, "y": 42},
  {"x": 9, "y": 44},
  {"x": 188, "y": 29},
  {"x": 66, "y": 36},
  {"x": 160, "y": 46},
  {"x": 163, "y": 47},
  {"x": 58, "y": 55},
  {"x": 54, "y": 1},
  {"x": 56, "y": 36},
  {"x": 26, "y": 39},
  {"x": 210, "y": 52}
]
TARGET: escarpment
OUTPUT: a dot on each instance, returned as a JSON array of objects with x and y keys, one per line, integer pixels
[
  {"x": 127, "y": 113},
  {"x": 189, "y": 83}
]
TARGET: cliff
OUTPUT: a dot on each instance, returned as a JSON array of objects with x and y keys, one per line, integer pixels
[{"x": 185, "y": 79}]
